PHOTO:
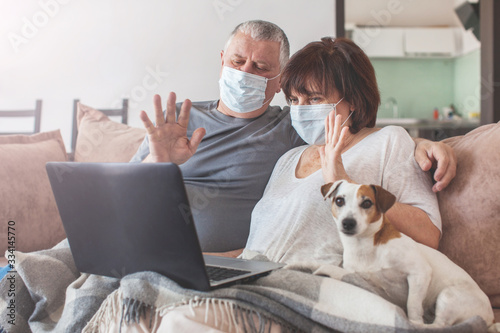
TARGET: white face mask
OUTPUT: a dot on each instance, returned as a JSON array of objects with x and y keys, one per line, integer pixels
[
  {"x": 243, "y": 92},
  {"x": 309, "y": 121}
]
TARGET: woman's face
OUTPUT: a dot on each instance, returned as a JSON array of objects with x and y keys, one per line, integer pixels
[{"x": 315, "y": 96}]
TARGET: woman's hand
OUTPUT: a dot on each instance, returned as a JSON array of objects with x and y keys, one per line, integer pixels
[
  {"x": 335, "y": 141},
  {"x": 168, "y": 141}
]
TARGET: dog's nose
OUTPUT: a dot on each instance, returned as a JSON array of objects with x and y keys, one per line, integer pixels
[{"x": 348, "y": 224}]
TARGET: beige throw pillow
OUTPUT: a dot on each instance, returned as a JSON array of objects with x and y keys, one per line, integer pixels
[
  {"x": 102, "y": 140},
  {"x": 25, "y": 194}
]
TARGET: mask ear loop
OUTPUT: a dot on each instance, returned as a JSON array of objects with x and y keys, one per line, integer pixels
[
  {"x": 268, "y": 79},
  {"x": 265, "y": 102},
  {"x": 335, "y": 109},
  {"x": 335, "y": 106},
  {"x": 350, "y": 114}
]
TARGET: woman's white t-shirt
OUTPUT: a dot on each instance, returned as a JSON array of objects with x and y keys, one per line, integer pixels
[{"x": 293, "y": 223}]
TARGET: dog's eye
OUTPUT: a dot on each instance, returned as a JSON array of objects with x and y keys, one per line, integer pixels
[
  {"x": 339, "y": 202},
  {"x": 366, "y": 204}
]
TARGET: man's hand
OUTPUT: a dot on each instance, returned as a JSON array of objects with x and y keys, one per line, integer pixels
[
  {"x": 168, "y": 141},
  {"x": 438, "y": 156}
]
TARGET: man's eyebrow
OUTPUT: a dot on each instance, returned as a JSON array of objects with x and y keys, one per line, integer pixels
[{"x": 260, "y": 62}]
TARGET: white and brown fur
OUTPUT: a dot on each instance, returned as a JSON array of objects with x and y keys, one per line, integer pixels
[{"x": 371, "y": 244}]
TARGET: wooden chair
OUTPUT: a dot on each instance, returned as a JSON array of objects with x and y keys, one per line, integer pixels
[
  {"x": 122, "y": 112},
  {"x": 36, "y": 114}
]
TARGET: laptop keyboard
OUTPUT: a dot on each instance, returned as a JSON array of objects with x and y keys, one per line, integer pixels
[{"x": 216, "y": 273}]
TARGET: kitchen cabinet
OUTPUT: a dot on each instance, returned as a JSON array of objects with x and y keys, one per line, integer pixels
[
  {"x": 413, "y": 42},
  {"x": 380, "y": 42},
  {"x": 429, "y": 42}
]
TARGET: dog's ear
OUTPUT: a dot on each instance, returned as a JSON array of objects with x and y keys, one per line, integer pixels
[
  {"x": 329, "y": 190},
  {"x": 325, "y": 190},
  {"x": 385, "y": 199}
]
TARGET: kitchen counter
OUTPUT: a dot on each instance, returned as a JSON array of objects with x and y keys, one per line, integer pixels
[{"x": 431, "y": 129}]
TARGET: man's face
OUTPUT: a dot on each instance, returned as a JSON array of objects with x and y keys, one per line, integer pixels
[{"x": 255, "y": 57}]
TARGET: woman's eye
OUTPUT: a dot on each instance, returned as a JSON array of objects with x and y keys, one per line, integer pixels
[
  {"x": 316, "y": 100},
  {"x": 366, "y": 204},
  {"x": 292, "y": 101},
  {"x": 339, "y": 202}
]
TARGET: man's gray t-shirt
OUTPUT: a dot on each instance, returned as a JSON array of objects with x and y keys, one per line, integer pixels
[{"x": 229, "y": 171}]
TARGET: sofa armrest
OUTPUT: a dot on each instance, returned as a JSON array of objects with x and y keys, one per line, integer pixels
[{"x": 470, "y": 208}]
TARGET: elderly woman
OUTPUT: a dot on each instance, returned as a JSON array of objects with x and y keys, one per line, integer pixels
[{"x": 333, "y": 93}]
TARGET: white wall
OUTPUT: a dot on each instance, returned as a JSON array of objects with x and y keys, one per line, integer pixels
[{"x": 102, "y": 51}]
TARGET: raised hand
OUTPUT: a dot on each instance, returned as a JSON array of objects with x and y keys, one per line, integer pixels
[
  {"x": 331, "y": 160},
  {"x": 168, "y": 141}
]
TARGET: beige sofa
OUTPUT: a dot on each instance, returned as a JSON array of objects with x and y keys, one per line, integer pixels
[{"x": 470, "y": 206}]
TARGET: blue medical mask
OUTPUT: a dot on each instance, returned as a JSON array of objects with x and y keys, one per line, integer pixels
[
  {"x": 309, "y": 121},
  {"x": 243, "y": 92}
]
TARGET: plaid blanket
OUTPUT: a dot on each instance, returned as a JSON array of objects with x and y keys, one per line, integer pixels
[{"x": 52, "y": 296}]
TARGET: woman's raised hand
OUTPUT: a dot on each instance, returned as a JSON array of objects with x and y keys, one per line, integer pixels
[
  {"x": 335, "y": 141},
  {"x": 168, "y": 141}
]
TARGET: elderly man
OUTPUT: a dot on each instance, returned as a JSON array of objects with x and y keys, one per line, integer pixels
[{"x": 239, "y": 138}]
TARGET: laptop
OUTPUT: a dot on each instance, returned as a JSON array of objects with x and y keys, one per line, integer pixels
[{"x": 122, "y": 218}]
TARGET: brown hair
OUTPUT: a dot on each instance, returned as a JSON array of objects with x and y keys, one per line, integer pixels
[{"x": 335, "y": 63}]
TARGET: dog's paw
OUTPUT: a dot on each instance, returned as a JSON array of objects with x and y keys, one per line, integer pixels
[
  {"x": 415, "y": 316},
  {"x": 418, "y": 322},
  {"x": 415, "y": 311},
  {"x": 495, "y": 328}
]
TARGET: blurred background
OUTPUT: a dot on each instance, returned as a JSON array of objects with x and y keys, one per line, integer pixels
[{"x": 101, "y": 52}]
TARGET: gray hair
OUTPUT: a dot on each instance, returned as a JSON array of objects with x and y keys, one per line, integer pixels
[{"x": 263, "y": 30}]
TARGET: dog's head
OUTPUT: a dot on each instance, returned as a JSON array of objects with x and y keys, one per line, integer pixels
[{"x": 357, "y": 208}]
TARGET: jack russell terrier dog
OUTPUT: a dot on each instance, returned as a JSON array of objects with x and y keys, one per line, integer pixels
[{"x": 372, "y": 244}]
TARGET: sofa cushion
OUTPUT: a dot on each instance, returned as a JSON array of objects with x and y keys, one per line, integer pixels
[
  {"x": 25, "y": 194},
  {"x": 470, "y": 208},
  {"x": 102, "y": 140}
]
